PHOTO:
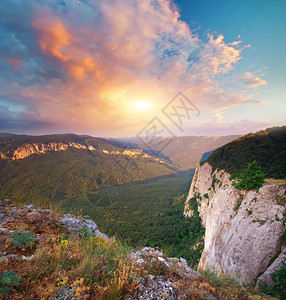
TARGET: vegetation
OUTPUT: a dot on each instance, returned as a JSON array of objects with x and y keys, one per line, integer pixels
[
  {"x": 80, "y": 266},
  {"x": 228, "y": 288},
  {"x": 278, "y": 289},
  {"x": 251, "y": 178},
  {"x": 22, "y": 239},
  {"x": 58, "y": 176},
  {"x": 267, "y": 147},
  {"x": 147, "y": 213},
  {"x": 8, "y": 279}
]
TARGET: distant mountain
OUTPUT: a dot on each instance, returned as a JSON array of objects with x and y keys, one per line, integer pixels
[
  {"x": 267, "y": 147},
  {"x": 56, "y": 167},
  {"x": 185, "y": 151},
  {"x": 67, "y": 166}
]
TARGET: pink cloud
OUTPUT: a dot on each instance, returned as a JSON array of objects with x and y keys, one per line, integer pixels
[
  {"x": 98, "y": 58},
  {"x": 252, "y": 80}
]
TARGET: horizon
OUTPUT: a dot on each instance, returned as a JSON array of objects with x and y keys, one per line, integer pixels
[{"x": 125, "y": 68}]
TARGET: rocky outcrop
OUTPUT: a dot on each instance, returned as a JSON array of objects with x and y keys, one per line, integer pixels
[
  {"x": 162, "y": 287},
  {"x": 11, "y": 214},
  {"x": 74, "y": 224},
  {"x": 29, "y": 149},
  {"x": 243, "y": 228}
]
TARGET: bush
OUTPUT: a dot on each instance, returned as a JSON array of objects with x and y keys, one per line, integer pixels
[
  {"x": 7, "y": 280},
  {"x": 22, "y": 239},
  {"x": 251, "y": 178}
]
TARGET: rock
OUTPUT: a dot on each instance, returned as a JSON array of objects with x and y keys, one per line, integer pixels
[
  {"x": 265, "y": 278},
  {"x": 243, "y": 228},
  {"x": 33, "y": 215},
  {"x": 77, "y": 224},
  {"x": 31, "y": 206},
  {"x": 147, "y": 255},
  {"x": 156, "y": 288},
  {"x": 2, "y": 217}
]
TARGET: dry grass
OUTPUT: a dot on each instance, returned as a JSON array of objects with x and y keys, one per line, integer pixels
[
  {"x": 275, "y": 181},
  {"x": 93, "y": 267}
]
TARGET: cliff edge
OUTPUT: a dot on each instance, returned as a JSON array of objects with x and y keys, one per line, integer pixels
[{"x": 244, "y": 229}]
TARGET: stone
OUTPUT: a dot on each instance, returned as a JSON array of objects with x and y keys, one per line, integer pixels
[
  {"x": 156, "y": 288},
  {"x": 77, "y": 224},
  {"x": 265, "y": 278}
]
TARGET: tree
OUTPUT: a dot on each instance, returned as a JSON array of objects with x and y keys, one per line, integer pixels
[{"x": 251, "y": 178}]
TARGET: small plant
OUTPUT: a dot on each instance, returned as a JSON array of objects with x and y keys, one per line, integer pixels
[
  {"x": 214, "y": 180},
  {"x": 86, "y": 233},
  {"x": 238, "y": 203},
  {"x": 7, "y": 280},
  {"x": 206, "y": 195},
  {"x": 251, "y": 178},
  {"x": 22, "y": 239}
]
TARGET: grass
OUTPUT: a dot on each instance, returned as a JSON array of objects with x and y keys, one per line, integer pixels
[{"x": 275, "y": 181}]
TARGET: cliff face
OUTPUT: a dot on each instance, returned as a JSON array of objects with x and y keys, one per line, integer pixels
[
  {"x": 243, "y": 228},
  {"x": 29, "y": 149},
  {"x": 26, "y": 150}
]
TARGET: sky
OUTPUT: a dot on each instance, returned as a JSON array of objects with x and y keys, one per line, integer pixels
[{"x": 115, "y": 67}]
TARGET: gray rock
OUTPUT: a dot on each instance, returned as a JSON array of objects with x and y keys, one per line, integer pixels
[
  {"x": 31, "y": 206},
  {"x": 265, "y": 278},
  {"x": 77, "y": 224},
  {"x": 243, "y": 228},
  {"x": 156, "y": 288},
  {"x": 154, "y": 255}
]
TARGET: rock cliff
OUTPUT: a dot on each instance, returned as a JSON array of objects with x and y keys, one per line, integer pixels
[
  {"x": 29, "y": 149},
  {"x": 243, "y": 228}
]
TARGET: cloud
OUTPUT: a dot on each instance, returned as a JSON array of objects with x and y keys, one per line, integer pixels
[
  {"x": 81, "y": 65},
  {"x": 252, "y": 80}
]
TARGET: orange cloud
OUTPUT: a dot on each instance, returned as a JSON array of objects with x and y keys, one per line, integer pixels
[
  {"x": 53, "y": 35},
  {"x": 93, "y": 62}
]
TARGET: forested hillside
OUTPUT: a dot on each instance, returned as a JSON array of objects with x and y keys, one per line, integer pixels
[{"x": 267, "y": 147}]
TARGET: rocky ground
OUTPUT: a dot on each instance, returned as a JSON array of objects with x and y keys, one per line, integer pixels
[{"x": 69, "y": 258}]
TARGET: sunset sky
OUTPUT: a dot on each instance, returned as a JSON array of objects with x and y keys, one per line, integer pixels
[{"x": 108, "y": 67}]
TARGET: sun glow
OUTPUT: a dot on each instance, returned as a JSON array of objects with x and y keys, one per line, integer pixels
[{"x": 142, "y": 105}]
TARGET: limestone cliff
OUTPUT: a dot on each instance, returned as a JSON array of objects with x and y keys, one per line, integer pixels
[
  {"x": 243, "y": 228},
  {"x": 28, "y": 149}
]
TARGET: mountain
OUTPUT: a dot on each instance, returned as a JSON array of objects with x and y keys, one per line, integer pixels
[
  {"x": 66, "y": 166},
  {"x": 267, "y": 147},
  {"x": 56, "y": 167},
  {"x": 185, "y": 151}
]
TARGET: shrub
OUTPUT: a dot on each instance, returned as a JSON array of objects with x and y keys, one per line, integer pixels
[
  {"x": 206, "y": 195},
  {"x": 22, "y": 239},
  {"x": 7, "y": 280},
  {"x": 251, "y": 178}
]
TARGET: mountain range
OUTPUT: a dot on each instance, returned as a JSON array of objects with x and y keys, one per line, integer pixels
[{"x": 59, "y": 167}]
